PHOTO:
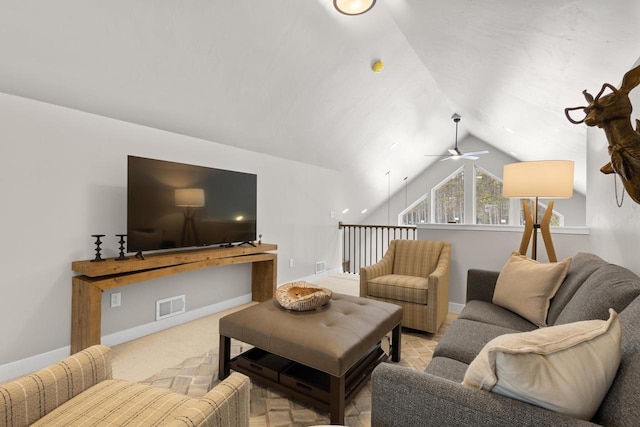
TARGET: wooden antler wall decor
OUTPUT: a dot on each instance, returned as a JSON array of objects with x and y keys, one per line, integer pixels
[{"x": 612, "y": 112}]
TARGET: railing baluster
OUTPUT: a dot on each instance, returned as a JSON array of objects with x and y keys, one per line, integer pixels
[
  {"x": 344, "y": 247},
  {"x": 357, "y": 252},
  {"x": 370, "y": 244},
  {"x": 359, "y": 233},
  {"x": 354, "y": 231}
]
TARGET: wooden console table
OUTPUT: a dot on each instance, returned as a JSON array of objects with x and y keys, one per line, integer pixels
[{"x": 96, "y": 277}]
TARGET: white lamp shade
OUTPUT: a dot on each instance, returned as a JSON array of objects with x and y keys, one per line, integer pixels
[
  {"x": 353, "y": 7},
  {"x": 189, "y": 197},
  {"x": 547, "y": 179}
]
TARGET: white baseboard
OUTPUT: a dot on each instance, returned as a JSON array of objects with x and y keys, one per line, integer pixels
[
  {"x": 39, "y": 361},
  {"x": 25, "y": 366},
  {"x": 455, "y": 307}
]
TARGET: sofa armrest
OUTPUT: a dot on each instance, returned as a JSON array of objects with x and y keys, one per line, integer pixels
[
  {"x": 381, "y": 268},
  {"x": 481, "y": 284},
  {"x": 27, "y": 399},
  {"x": 406, "y": 397},
  {"x": 225, "y": 405}
]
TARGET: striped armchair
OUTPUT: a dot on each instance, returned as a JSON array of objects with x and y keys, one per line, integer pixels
[
  {"x": 79, "y": 390},
  {"x": 413, "y": 274}
]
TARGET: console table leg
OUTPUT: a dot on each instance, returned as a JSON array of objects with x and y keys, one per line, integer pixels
[
  {"x": 86, "y": 314},
  {"x": 396, "y": 338},
  {"x": 337, "y": 397},
  {"x": 224, "y": 357},
  {"x": 263, "y": 279}
]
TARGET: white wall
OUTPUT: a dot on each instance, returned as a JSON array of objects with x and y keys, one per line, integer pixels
[{"x": 63, "y": 175}]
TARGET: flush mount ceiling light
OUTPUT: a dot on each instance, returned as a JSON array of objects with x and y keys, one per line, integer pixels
[{"x": 353, "y": 7}]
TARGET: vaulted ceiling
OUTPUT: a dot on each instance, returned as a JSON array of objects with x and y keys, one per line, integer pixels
[{"x": 293, "y": 78}]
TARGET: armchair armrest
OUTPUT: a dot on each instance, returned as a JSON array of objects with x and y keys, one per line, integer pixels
[
  {"x": 405, "y": 397},
  {"x": 439, "y": 287},
  {"x": 225, "y": 405},
  {"x": 481, "y": 284},
  {"x": 381, "y": 268},
  {"x": 27, "y": 399}
]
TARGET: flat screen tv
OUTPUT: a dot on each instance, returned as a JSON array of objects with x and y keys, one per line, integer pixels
[{"x": 175, "y": 205}]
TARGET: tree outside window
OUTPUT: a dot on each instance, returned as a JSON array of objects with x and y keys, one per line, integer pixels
[
  {"x": 449, "y": 199},
  {"x": 417, "y": 213},
  {"x": 557, "y": 219},
  {"x": 491, "y": 207}
]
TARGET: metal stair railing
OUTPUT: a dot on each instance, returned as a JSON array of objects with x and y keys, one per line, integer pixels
[{"x": 364, "y": 245}]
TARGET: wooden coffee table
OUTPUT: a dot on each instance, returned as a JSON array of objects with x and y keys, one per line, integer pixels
[{"x": 322, "y": 357}]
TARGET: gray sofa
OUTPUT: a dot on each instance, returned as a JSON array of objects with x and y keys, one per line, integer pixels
[{"x": 405, "y": 397}]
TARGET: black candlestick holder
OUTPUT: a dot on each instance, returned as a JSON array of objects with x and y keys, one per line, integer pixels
[
  {"x": 98, "y": 243},
  {"x": 121, "y": 241}
]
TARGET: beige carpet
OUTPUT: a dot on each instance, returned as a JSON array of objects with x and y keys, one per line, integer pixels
[{"x": 146, "y": 360}]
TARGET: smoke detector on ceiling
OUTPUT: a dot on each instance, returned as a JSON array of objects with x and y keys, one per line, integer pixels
[{"x": 378, "y": 66}]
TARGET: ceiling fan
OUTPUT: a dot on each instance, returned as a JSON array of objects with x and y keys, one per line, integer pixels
[{"x": 455, "y": 153}]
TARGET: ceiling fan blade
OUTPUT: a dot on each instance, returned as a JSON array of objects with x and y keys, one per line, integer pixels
[
  {"x": 447, "y": 158},
  {"x": 436, "y": 155},
  {"x": 475, "y": 153},
  {"x": 465, "y": 156}
]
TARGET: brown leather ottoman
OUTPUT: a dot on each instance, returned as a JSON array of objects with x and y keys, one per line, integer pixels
[{"x": 339, "y": 339}]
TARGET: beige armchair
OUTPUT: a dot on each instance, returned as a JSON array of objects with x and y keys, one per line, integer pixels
[
  {"x": 413, "y": 274},
  {"x": 79, "y": 390}
]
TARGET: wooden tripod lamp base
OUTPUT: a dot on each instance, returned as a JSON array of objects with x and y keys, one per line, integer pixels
[{"x": 531, "y": 230}]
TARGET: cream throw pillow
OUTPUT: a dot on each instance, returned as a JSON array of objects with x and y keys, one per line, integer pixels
[
  {"x": 567, "y": 368},
  {"x": 526, "y": 286}
]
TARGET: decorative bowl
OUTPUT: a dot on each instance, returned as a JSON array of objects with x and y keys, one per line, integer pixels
[{"x": 302, "y": 296}]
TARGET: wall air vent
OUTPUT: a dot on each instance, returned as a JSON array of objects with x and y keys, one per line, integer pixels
[
  {"x": 321, "y": 266},
  {"x": 170, "y": 307}
]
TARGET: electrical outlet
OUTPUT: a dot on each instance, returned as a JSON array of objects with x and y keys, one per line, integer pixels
[
  {"x": 116, "y": 299},
  {"x": 290, "y": 262}
]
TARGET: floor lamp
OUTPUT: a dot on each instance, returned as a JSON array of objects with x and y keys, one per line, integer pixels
[{"x": 548, "y": 179}]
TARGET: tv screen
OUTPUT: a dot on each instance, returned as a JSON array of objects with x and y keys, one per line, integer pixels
[{"x": 175, "y": 205}]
